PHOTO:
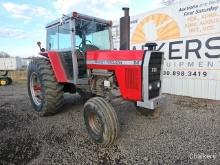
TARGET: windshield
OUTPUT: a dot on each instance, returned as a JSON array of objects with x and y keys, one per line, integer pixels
[{"x": 92, "y": 34}]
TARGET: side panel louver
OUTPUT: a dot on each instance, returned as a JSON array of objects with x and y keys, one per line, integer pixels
[{"x": 131, "y": 77}]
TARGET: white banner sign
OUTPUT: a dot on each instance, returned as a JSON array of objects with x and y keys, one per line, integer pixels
[{"x": 189, "y": 34}]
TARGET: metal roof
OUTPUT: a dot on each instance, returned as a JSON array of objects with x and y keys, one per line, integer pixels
[{"x": 75, "y": 15}]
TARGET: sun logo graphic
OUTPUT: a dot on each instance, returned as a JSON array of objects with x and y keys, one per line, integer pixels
[{"x": 155, "y": 27}]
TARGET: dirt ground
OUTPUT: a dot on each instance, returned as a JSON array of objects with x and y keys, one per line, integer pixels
[{"x": 187, "y": 132}]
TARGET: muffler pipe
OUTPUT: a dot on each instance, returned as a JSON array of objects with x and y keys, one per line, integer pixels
[{"x": 125, "y": 30}]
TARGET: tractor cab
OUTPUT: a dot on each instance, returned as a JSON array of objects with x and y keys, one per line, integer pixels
[{"x": 72, "y": 36}]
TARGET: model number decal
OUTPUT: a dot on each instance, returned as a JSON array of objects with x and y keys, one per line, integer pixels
[{"x": 114, "y": 62}]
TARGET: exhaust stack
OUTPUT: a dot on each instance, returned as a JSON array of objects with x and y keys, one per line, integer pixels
[{"x": 125, "y": 30}]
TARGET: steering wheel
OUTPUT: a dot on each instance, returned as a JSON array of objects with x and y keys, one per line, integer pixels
[{"x": 81, "y": 45}]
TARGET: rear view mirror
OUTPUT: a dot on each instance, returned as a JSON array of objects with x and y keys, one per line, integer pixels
[{"x": 39, "y": 45}]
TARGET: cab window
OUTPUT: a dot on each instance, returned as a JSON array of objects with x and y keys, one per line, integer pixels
[
  {"x": 90, "y": 34},
  {"x": 52, "y": 38},
  {"x": 64, "y": 36},
  {"x": 59, "y": 37}
]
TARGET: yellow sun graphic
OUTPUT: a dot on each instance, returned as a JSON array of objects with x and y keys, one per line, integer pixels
[{"x": 155, "y": 27}]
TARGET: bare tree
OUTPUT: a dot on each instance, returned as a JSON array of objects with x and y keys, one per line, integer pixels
[{"x": 4, "y": 55}]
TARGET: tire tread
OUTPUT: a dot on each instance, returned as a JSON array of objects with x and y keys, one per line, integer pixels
[{"x": 54, "y": 98}]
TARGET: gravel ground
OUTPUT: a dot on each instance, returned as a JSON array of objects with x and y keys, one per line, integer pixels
[{"x": 187, "y": 132}]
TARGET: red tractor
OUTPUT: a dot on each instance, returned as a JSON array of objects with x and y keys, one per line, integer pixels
[{"x": 79, "y": 59}]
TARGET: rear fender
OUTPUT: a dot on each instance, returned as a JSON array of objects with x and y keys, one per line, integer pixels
[{"x": 57, "y": 66}]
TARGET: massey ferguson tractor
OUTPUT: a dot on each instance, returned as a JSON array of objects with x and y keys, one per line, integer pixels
[{"x": 79, "y": 58}]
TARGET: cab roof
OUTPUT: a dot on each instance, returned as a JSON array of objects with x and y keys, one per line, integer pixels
[{"x": 78, "y": 16}]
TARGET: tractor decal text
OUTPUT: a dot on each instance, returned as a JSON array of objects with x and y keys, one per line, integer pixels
[{"x": 114, "y": 62}]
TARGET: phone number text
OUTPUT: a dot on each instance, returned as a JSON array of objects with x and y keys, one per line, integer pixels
[{"x": 186, "y": 73}]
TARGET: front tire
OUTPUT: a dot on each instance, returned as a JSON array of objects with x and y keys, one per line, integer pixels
[
  {"x": 45, "y": 93},
  {"x": 101, "y": 121}
]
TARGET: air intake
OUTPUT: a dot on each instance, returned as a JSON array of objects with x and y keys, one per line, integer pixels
[{"x": 131, "y": 77}]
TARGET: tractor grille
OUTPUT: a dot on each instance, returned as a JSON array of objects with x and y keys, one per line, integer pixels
[
  {"x": 154, "y": 69},
  {"x": 131, "y": 76}
]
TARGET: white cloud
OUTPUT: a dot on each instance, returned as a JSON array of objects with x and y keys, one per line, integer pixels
[
  {"x": 12, "y": 33},
  {"x": 107, "y": 9},
  {"x": 18, "y": 16},
  {"x": 25, "y": 11},
  {"x": 23, "y": 43},
  {"x": 64, "y": 6},
  {"x": 157, "y": 4}
]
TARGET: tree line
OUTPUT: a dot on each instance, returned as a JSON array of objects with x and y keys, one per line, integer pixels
[{"x": 4, "y": 55}]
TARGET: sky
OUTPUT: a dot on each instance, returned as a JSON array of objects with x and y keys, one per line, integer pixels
[{"x": 22, "y": 22}]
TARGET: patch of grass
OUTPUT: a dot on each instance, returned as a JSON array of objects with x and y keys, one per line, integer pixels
[
  {"x": 18, "y": 75},
  {"x": 20, "y": 82}
]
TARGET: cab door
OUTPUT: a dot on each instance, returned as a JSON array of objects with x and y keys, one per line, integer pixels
[
  {"x": 65, "y": 46},
  {"x": 79, "y": 57},
  {"x": 59, "y": 39}
]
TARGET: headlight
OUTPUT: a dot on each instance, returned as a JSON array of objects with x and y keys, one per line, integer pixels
[
  {"x": 158, "y": 84},
  {"x": 150, "y": 87}
]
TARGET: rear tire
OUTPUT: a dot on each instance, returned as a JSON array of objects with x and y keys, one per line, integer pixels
[
  {"x": 49, "y": 98},
  {"x": 101, "y": 121}
]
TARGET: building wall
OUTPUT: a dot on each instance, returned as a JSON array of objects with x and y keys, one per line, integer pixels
[
  {"x": 189, "y": 34},
  {"x": 10, "y": 63},
  {"x": 25, "y": 62}
]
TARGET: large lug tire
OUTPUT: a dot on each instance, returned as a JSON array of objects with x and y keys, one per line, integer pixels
[
  {"x": 101, "y": 121},
  {"x": 45, "y": 93}
]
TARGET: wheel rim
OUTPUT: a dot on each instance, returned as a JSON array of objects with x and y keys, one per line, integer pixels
[
  {"x": 36, "y": 90},
  {"x": 95, "y": 123}
]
